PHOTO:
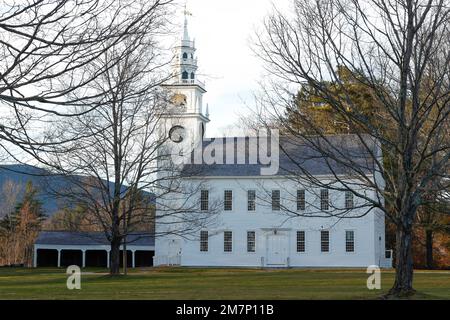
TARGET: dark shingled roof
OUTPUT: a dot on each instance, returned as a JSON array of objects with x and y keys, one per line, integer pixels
[
  {"x": 89, "y": 238},
  {"x": 296, "y": 156}
]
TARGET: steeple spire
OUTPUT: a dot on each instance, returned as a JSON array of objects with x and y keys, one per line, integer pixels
[
  {"x": 185, "y": 30},
  {"x": 185, "y": 63}
]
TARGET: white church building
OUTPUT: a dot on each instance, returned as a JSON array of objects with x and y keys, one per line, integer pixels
[{"x": 262, "y": 220}]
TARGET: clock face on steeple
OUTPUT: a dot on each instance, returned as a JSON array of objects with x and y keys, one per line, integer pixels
[{"x": 176, "y": 134}]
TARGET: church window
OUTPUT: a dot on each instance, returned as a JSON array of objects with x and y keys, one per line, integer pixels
[
  {"x": 228, "y": 200},
  {"x": 228, "y": 241},
  {"x": 185, "y": 56},
  {"x": 184, "y": 75},
  {"x": 348, "y": 200},
  {"x": 204, "y": 200},
  {"x": 300, "y": 241},
  {"x": 301, "y": 200},
  {"x": 251, "y": 241},
  {"x": 276, "y": 200},
  {"x": 324, "y": 200},
  {"x": 325, "y": 241},
  {"x": 349, "y": 241},
  {"x": 203, "y": 241},
  {"x": 192, "y": 75},
  {"x": 251, "y": 200}
]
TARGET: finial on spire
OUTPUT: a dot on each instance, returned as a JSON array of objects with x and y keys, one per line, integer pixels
[
  {"x": 186, "y": 14},
  {"x": 207, "y": 110}
]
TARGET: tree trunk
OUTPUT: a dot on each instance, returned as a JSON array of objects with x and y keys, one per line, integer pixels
[
  {"x": 404, "y": 264},
  {"x": 429, "y": 248},
  {"x": 115, "y": 257},
  {"x": 125, "y": 262}
]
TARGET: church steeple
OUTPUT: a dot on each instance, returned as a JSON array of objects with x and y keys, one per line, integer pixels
[
  {"x": 186, "y": 91},
  {"x": 185, "y": 66},
  {"x": 185, "y": 84}
]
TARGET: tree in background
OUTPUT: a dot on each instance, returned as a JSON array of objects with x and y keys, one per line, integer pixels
[
  {"x": 9, "y": 196},
  {"x": 432, "y": 238},
  {"x": 80, "y": 218},
  {"x": 431, "y": 216},
  {"x": 73, "y": 218},
  {"x": 399, "y": 52},
  {"x": 19, "y": 229},
  {"x": 319, "y": 112}
]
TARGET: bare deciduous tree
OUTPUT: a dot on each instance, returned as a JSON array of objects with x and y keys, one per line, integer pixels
[
  {"x": 19, "y": 229},
  {"x": 112, "y": 163},
  {"x": 45, "y": 48},
  {"x": 9, "y": 197},
  {"x": 399, "y": 51}
]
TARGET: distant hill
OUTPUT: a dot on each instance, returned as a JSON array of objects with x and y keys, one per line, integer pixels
[
  {"x": 21, "y": 174},
  {"x": 41, "y": 179}
]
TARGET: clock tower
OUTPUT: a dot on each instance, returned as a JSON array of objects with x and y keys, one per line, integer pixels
[{"x": 185, "y": 120}]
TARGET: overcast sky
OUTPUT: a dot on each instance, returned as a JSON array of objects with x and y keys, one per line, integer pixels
[{"x": 222, "y": 31}]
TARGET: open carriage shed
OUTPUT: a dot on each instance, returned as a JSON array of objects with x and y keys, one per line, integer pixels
[{"x": 89, "y": 249}]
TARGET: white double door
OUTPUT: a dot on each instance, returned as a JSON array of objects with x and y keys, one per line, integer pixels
[{"x": 277, "y": 249}]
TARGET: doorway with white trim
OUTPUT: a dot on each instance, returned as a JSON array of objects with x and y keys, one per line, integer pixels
[{"x": 277, "y": 248}]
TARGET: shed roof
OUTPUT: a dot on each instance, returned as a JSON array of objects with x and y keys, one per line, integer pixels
[{"x": 89, "y": 238}]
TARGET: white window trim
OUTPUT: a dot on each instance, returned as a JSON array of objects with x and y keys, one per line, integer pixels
[
  {"x": 306, "y": 247},
  {"x": 232, "y": 242},
  {"x": 296, "y": 201},
  {"x": 246, "y": 193},
  {"x": 328, "y": 200},
  {"x": 354, "y": 242},
  {"x": 209, "y": 243},
  {"x": 271, "y": 200},
  {"x": 246, "y": 238},
  {"x": 329, "y": 242},
  {"x": 201, "y": 200},
  {"x": 233, "y": 196},
  {"x": 345, "y": 201}
]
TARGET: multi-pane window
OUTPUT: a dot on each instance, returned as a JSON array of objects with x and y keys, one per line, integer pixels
[
  {"x": 300, "y": 241},
  {"x": 204, "y": 200},
  {"x": 348, "y": 200},
  {"x": 349, "y": 241},
  {"x": 301, "y": 200},
  {"x": 325, "y": 241},
  {"x": 251, "y": 200},
  {"x": 228, "y": 241},
  {"x": 276, "y": 200},
  {"x": 203, "y": 241},
  {"x": 324, "y": 200},
  {"x": 228, "y": 200},
  {"x": 251, "y": 241}
]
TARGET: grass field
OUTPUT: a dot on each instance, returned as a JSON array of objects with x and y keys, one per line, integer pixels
[{"x": 184, "y": 283}]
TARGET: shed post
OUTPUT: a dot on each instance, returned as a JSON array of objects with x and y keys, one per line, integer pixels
[
  {"x": 84, "y": 258},
  {"x": 34, "y": 256},
  {"x": 59, "y": 258}
]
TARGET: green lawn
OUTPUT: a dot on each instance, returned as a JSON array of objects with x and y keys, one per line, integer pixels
[{"x": 184, "y": 283}]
